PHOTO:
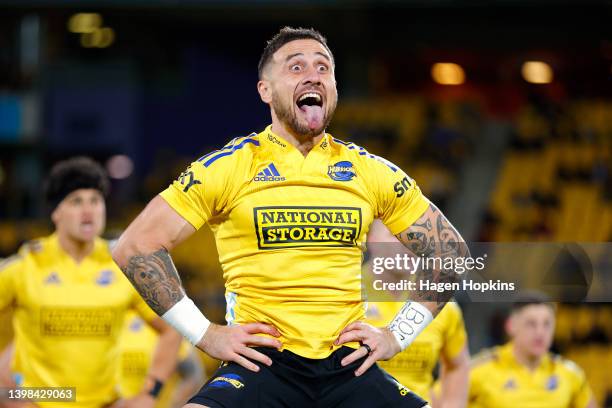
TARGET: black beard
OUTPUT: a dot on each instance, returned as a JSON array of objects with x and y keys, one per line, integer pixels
[{"x": 288, "y": 117}]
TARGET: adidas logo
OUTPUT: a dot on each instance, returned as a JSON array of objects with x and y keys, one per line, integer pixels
[
  {"x": 270, "y": 173},
  {"x": 53, "y": 279}
]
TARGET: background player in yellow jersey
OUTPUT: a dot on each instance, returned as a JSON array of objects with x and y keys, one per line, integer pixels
[
  {"x": 523, "y": 373},
  {"x": 443, "y": 341},
  {"x": 137, "y": 347},
  {"x": 69, "y": 299},
  {"x": 290, "y": 208}
]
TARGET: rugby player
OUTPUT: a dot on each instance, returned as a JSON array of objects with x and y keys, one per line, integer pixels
[
  {"x": 523, "y": 373},
  {"x": 69, "y": 300},
  {"x": 137, "y": 346},
  {"x": 290, "y": 208},
  {"x": 443, "y": 341}
]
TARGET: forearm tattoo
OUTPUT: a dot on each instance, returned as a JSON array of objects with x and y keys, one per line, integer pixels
[
  {"x": 155, "y": 277},
  {"x": 433, "y": 236}
]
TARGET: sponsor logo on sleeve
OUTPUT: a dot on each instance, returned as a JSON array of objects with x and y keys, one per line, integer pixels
[
  {"x": 297, "y": 226},
  {"x": 187, "y": 179},
  {"x": 402, "y": 186}
]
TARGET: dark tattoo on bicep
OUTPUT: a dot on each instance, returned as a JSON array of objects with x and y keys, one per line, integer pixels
[
  {"x": 155, "y": 277},
  {"x": 433, "y": 236}
]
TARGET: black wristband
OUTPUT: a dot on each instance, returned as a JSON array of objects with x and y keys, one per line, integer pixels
[{"x": 157, "y": 387}]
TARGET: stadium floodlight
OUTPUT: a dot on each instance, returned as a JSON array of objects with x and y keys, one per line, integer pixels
[
  {"x": 537, "y": 72},
  {"x": 447, "y": 73},
  {"x": 81, "y": 23}
]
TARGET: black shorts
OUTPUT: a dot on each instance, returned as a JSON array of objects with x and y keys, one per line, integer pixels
[{"x": 293, "y": 381}]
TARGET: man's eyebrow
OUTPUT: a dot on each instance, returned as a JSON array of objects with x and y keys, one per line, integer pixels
[
  {"x": 292, "y": 55},
  {"x": 323, "y": 55},
  {"x": 302, "y": 54}
]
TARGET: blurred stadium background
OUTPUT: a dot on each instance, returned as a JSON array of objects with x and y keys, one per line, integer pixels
[{"x": 501, "y": 110}]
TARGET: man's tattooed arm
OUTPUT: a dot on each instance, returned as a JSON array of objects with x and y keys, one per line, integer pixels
[
  {"x": 156, "y": 279},
  {"x": 433, "y": 237}
]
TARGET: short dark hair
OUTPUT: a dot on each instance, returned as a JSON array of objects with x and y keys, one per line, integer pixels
[
  {"x": 69, "y": 175},
  {"x": 285, "y": 35},
  {"x": 529, "y": 298}
]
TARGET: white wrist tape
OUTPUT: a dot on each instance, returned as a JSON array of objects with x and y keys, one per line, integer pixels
[
  {"x": 187, "y": 319},
  {"x": 409, "y": 322}
]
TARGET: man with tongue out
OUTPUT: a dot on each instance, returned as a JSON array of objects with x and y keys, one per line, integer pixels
[{"x": 290, "y": 208}]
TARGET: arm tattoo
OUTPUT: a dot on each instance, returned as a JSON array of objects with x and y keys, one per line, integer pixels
[
  {"x": 156, "y": 279},
  {"x": 433, "y": 236}
]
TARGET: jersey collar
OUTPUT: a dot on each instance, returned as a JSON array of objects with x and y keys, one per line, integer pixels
[
  {"x": 274, "y": 142},
  {"x": 100, "y": 249},
  {"x": 507, "y": 356}
]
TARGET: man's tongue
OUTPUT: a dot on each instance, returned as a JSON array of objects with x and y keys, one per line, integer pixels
[{"x": 314, "y": 115}]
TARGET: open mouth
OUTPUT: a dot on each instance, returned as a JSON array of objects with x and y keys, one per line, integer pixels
[
  {"x": 310, "y": 99},
  {"x": 311, "y": 105},
  {"x": 87, "y": 225}
]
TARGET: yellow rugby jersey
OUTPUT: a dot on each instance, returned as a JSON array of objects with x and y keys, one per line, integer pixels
[
  {"x": 6, "y": 321},
  {"x": 414, "y": 366},
  {"x": 67, "y": 318},
  {"x": 289, "y": 229},
  {"x": 6, "y": 327},
  {"x": 497, "y": 380},
  {"x": 137, "y": 345}
]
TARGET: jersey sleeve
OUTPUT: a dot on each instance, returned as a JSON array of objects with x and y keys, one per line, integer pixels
[
  {"x": 581, "y": 391},
  {"x": 200, "y": 192},
  {"x": 455, "y": 337},
  {"x": 9, "y": 271},
  {"x": 399, "y": 200},
  {"x": 481, "y": 371},
  {"x": 476, "y": 389},
  {"x": 583, "y": 396}
]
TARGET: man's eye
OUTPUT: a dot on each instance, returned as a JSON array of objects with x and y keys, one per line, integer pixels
[
  {"x": 322, "y": 68},
  {"x": 295, "y": 68}
]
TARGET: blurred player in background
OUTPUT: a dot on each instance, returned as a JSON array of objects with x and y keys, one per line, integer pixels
[
  {"x": 137, "y": 346},
  {"x": 290, "y": 208},
  {"x": 6, "y": 325},
  {"x": 444, "y": 340},
  {"x": 69, "y": 300},
  {"x": 523, "y": 373}
]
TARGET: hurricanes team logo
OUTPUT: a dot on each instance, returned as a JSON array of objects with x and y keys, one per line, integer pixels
[
  {"x": 341, "y": 171},
  {"x": 297, "y": 226},
  {"x": 552, "y": 383},
  {"x": 105, "y": 278}
]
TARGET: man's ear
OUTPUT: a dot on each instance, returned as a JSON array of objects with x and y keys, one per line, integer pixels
[
  {"x": 55, "y": 215},
  {"x": 265, "y": 93},
  {"x": 510, "y": 325}
]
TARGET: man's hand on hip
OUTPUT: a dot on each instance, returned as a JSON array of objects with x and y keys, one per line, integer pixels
[
  {"x": 231, "y": 343},
  {"x": 376, "y": 343}
]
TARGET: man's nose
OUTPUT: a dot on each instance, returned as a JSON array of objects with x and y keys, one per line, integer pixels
[
  {"x": 88, "y": 208},
  {"x": 311, "y": 76}
]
